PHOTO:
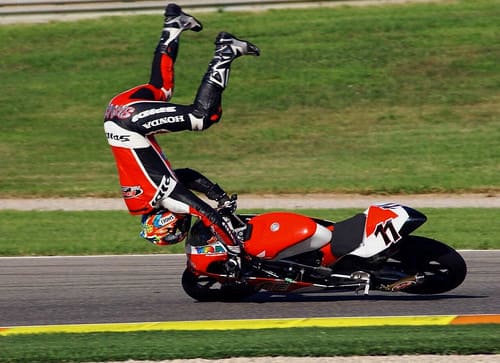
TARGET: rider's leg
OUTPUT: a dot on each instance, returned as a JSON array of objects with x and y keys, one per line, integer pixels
[
  {"x": 215, "y": 80},
  {"x": 162, "y": 69}
]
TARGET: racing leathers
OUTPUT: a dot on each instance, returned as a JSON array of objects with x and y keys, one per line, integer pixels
[{"x": 134, "y": 117}]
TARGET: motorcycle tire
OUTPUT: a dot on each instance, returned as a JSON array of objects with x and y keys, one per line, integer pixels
[
  {"x": 205, "y": 288},
  {"x": 443, "y": 267}
]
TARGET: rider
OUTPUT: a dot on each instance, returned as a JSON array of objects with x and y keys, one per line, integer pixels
[{"x": 150, "y": 187}]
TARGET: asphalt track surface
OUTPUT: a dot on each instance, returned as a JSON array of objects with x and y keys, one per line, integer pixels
[{"x": 147, "y": 288}]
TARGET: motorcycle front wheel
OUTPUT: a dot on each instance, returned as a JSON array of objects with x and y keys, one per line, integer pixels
[
  {"x": 206, "y": 288},
  {"x": 442, "y": 267}
]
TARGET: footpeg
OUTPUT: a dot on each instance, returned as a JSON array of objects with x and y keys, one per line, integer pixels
[{"x": 363, "y": 276}]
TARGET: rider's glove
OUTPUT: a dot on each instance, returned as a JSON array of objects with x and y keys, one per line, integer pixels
[
  {"x": 227, "y": 203},
  {"x": 216, "y": 193}
]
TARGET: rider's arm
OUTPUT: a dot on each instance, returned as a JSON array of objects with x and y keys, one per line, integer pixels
[
  {"x": 196, "y": 181},
  {"x": 183, "y": 200}
]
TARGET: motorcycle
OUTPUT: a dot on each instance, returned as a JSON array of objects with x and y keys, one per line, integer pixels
[{"x": 286, "y": 252}]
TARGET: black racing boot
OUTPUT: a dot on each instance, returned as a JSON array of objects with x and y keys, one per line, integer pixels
[
  {"x": 176, "y": 21},
  {"x": 227, "y": 49},
  {"x": 176, "y": 18},
  {"x": 227, "y": 45},
  {"x": 208, "y": 97}
]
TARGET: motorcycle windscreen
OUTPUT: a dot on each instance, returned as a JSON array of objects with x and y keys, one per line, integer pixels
[{"x": 278, "y": 235}]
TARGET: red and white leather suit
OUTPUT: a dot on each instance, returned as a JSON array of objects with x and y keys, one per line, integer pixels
[{"x": 132, "y": 120}]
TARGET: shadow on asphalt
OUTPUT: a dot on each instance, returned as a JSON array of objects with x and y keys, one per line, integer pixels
[{"x": 265, "y": 297}]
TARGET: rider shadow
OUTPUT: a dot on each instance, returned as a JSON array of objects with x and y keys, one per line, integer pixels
[{"x": 271, "y": 297}]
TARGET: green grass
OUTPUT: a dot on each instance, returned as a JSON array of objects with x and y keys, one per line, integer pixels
[
  {"x": 304, "y": 342},
  {"x": 116, "y": 232},
  {"x": 376, "y": 99}
]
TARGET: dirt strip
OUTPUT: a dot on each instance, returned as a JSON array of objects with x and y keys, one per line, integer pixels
[
  {"x": 480, "y": 358},
  {"x": 281, "y": 201},
  {"x": 11, "y": 15}
]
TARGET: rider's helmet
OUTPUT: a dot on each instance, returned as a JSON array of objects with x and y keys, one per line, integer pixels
[{"x": 163, "y": 227}]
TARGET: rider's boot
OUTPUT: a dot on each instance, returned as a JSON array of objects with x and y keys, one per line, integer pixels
[
  {"x": 227, "y": 49},
  {"x": 176, "y": 21}
]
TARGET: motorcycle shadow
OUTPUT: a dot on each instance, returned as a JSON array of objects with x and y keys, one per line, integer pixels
[{"x": 271, "y": 297}]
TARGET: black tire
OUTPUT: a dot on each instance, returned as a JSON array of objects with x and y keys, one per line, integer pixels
[
  {"x": 444, "y": 269},
  {"x": 205, "y": 288}
]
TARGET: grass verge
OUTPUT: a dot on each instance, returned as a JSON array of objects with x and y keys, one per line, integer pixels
[
  {"x": 364, "y": 99},
  {"x": 300, "y": 342},
  {"x": 116, "y": 232}
]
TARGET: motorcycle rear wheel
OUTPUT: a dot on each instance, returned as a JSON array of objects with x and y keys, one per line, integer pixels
[
  {"x": 204, "y": 288},
  {"x": 443, "y": 267}
]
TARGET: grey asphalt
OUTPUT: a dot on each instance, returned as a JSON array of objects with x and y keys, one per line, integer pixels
[{"x": 100, "y": 289}]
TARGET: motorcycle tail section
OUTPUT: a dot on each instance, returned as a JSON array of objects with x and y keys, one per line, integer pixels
[{"x": 386, "y": 225}]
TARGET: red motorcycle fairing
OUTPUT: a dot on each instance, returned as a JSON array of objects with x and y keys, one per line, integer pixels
[{"x": 278, "y": 235}]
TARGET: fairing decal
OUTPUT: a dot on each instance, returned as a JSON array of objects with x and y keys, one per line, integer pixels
[
  {"x": 383, "y": 228},
  {"x": 376, "y": 216}
]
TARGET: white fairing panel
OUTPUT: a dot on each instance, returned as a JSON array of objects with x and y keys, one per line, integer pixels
[
  {"x": 383, "y": 224},
  {"x": 321, "y": 237}
]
